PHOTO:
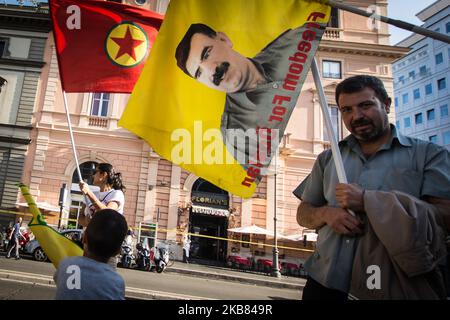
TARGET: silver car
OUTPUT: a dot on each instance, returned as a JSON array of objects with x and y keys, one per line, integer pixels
[{"x": 34, "y": 248}]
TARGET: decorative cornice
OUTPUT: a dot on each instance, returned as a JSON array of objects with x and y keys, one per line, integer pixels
[
  {"x": 15, "y": 140},
  {"x": 22, "y": 63},
  {"x": 22, "y": 18},
  {"x": 364, "y": 49}
]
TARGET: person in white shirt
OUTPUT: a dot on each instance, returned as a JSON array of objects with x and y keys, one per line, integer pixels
[{"x": 110, "y": 196}]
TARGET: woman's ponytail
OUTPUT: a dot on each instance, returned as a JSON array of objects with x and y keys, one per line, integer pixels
[{"x": 117, "y": 182}]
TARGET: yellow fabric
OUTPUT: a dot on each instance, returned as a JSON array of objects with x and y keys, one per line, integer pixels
[
  {"x": 55, "y": 245},
  {"x": 165, "y": 99}
]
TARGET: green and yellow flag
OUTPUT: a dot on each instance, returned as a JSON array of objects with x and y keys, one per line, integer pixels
[
  {"x": 221, "y": 82},
  {"x": 55, "y": 245}
]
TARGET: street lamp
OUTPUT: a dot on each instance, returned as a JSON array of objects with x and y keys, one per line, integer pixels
[
  {"x": 61, "y": 202},
  {"x": 275, "y": 271}
]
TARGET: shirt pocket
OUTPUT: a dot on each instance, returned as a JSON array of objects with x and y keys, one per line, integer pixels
[{"x": 404, "y": 180}]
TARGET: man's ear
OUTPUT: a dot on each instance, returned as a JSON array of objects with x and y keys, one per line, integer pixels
[
  {"x": 223, "y": 37},
  {"x": 387, "y": 105}
]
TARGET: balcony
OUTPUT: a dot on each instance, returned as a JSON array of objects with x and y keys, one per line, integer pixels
[
  {"x": 99, "y": 122},
  {"x": 333, "y": 34},
  {"x": 285, "y": 147}
]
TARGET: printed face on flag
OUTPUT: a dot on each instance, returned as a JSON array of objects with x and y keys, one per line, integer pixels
[
  {"x": 220, "y": 85},
  {"x": 212, "y": 61}
]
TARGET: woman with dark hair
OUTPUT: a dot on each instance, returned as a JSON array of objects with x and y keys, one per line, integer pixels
[{"x": 110, "y": 195}]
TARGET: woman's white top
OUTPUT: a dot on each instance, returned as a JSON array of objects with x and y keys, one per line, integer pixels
[{"x": 106, "y": 197}]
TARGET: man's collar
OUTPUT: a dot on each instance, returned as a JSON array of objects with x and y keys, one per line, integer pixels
[
  {"x": 261, "y": 69},
  {"x": 403, "y": 140},
  {"x": 351, "y": 141}
]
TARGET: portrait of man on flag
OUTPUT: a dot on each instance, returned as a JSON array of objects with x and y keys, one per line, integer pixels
[
  {"x": 249, "y": 60},
  {"x": 251, "y": 84}
]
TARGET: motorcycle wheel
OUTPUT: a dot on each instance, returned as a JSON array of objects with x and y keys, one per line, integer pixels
[{"x": 159, "y": 269}]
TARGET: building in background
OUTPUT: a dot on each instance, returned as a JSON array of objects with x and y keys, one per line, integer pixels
[
  {"x": 162, "y": 193},
  {"x": 23, "y": 35},
  {"x": 422, "y": 80}
]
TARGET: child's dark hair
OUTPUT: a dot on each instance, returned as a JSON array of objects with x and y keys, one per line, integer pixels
[
  {"x": 105, "y": 233},
  {"x": 114, "y": 178}
]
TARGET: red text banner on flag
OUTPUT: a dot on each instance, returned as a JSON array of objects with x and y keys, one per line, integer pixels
[
  {"x": 101, "y": 46},
  {"x": 221, "y": 83}
]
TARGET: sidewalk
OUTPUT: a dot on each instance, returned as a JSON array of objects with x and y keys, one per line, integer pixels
[{"x": 223, "y": 273}]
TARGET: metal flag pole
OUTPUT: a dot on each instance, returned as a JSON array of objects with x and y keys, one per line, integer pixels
[
  {"x": 275, "y": 271},
  {"x": 326, "y": 116},
  {"x": 72, "y": 141},
  {"x": 397, "y": 23}
]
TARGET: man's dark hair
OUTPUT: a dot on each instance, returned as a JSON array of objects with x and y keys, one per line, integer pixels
[
  {"x": 105, "y": 233},
  {"x": 359, "y": 83},
  {"x": 182, "y": 52}
]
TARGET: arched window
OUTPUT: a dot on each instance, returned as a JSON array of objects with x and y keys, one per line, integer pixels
[
  {"x": 204, "y": 186},
  {"x": 87, "y": 170}
]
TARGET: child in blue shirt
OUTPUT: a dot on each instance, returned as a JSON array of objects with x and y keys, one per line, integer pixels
[{"x": 90, "y": 277}]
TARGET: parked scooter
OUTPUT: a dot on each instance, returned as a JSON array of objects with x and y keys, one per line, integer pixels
[
  {"x": 126, "y": 256},
  {"x": 143, "y": 257},
  {"x": 159, "y": 258},
  {"x": 4, "y": 241}
]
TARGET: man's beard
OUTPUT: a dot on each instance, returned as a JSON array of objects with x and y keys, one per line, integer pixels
[{"x": 369, "y": 135}]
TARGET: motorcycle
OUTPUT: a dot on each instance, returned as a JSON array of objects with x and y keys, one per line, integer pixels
[
  {"x": 159, "y": 258},
  {"x": 143, "y": 257},
  {"x": 126, "y": 256},
  {"x": 4, "y": 238}
]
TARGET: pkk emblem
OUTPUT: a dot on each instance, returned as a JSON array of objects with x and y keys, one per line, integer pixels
[{"x": 126, "y": 44}]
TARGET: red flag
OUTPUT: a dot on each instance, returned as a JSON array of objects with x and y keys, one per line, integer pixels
[{"x": 102, "y": 46}]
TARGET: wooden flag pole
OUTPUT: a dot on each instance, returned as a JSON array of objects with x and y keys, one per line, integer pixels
[
  {"x": 326, "y": 116},
  {"x": 397, "y": 23}
]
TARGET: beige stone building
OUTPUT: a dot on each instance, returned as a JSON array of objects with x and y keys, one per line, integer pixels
[{"x": 158, "y": 191}]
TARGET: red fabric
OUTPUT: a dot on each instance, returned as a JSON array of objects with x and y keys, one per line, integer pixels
[{"x": 84, "y": 65}]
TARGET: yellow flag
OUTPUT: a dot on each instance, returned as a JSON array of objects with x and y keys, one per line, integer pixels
[
  {"x": 55, "y": 245},
  {"x": 221, "y": 82}
]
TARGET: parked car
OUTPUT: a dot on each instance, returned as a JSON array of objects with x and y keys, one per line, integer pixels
[{"x": 34, "y": 248}]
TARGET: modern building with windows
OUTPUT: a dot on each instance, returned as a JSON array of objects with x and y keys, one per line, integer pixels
[
  {"x": 423, "y": 75},
  {"x": 177, "y": 200}
]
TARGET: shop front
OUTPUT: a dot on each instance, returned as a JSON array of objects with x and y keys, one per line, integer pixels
[{"x": 208, "y": 221}]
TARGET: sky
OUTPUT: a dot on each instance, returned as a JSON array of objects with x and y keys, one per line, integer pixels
[{"x": 405, "y": 10}]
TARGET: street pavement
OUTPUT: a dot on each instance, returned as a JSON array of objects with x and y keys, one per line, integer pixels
[{"x": 29, "y": 279}]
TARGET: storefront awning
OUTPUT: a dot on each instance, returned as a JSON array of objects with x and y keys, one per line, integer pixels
[{"x": 211, "y": 211}]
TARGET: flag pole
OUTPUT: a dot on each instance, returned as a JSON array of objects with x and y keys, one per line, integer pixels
[
  {"x": 72, "y": 141},
  {"x": 397, "y": 23},
  {"x": 326, "y": 116}
]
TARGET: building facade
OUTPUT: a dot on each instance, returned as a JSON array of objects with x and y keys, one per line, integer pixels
[
  {"x": 23, "y": 35},
  {"x": 178, "y": 201},
  {"x": 421, "y": 80}
]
